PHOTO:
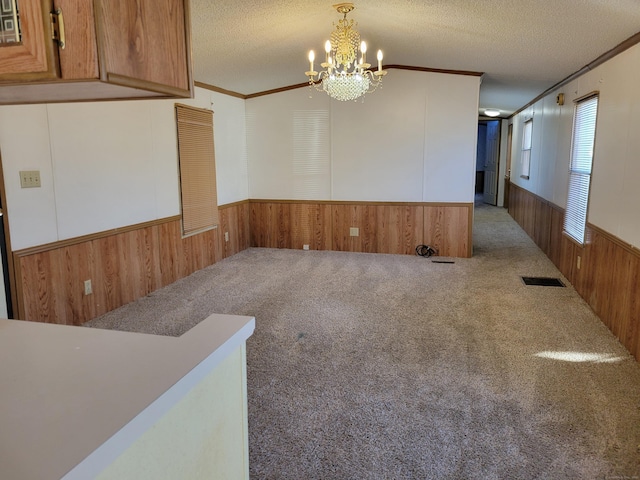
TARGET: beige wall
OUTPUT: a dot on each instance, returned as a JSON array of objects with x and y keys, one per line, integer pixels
[{"x": 203, "y": 437}]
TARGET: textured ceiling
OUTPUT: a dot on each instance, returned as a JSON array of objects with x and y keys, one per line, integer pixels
[{"x": 522, "y": 46}]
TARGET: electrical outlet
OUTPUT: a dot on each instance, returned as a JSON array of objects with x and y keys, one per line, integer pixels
[
  {"x": 226, "y": 236},
  {"x": 88, "y": 290},
  {"x": 354, "y": 232},
  {"x": 30, "y": 178},
  {"x": 305, "y": 247}
]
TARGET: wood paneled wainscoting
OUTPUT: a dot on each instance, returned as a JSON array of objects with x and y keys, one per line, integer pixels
[
  {"x": 128, "y": 263},
  {"x": 605, "y": 271},
  {"x": 382, "y": 227},
  {"x": 123, "y": 265}
]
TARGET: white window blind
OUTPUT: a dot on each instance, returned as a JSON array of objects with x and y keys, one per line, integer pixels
[
  {"x": 526, "y": 148},
  {"x": 584, "y": 131},
  {"x": 311, "y": 154},
  {"x": 197, "y": 169}
]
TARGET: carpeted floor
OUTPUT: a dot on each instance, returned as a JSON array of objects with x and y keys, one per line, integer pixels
[{"x": 366, "y": 366}]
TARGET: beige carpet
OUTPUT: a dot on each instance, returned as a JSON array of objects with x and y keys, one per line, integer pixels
[{"x": 369, "y": 366}]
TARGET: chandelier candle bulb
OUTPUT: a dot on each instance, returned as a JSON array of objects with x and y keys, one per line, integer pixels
[
  {"x": 312, "y": 57},
  {"x": 379, "y": 61}
]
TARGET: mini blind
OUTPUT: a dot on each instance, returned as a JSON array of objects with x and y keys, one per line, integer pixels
[
  {"x": 197, "y": 169},
  {"x": 526, "y": 148},
  {"x": 311, "y": 157},
  {"x": 584, "y": 130}
]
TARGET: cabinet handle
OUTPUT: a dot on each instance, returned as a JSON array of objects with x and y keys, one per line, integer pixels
[{"x": 57, "y": 27}]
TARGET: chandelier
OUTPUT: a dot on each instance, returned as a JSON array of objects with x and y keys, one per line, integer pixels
[{"x": 346, "y": 75}]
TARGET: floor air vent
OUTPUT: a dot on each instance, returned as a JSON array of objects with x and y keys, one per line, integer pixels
[{"x": 543, "y": 281}]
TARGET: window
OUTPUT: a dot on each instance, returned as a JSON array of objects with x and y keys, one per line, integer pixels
[
  {"x": 584, "y": 131},
  {"x": 526, "y": 148},
  {"x": 197, "y": 169}
]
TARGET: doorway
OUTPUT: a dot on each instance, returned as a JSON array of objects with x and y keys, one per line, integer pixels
[{"x": 488, "y": 161}]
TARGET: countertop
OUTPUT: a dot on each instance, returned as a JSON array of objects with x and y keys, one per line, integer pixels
[{"x": 72, "y": 399}]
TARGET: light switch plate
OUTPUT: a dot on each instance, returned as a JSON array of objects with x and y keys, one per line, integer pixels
[
  {"x": 29, "y": 178},
  {"x": 354, "y": 232}
]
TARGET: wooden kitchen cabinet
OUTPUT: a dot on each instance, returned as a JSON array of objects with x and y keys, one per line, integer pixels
[
  {"x": 26, "y": 52},
  {"x": 113, "y": 49}
]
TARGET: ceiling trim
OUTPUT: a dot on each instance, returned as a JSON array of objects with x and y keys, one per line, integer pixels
[
  {"x": 621, "y": 47},
  {"x": 435, "y": 70},
  {"x": 278, "y": 90},
  {"x": 213, "y": 88}
]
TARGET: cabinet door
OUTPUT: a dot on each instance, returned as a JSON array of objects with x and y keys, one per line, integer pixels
[
  {"x": 79, "y": 57},
  {"x": 145, "y": 44},
  {"x": 27, "y": 51}
]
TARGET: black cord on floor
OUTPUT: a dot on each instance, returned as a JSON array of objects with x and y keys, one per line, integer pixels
[{"x": 425, "y": 251}]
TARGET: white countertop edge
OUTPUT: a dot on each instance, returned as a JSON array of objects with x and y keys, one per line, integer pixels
[{"x": 106, "y": 454}]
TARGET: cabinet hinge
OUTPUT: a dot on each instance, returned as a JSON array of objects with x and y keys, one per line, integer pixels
[{"x": 57, "y": 27}]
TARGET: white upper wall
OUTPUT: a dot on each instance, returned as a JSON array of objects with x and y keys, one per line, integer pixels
[
  {"x": 615, "y": 181},
  {"x": 289, "y": 146},
  {"x": 24, "y": 145},
  {"x": 414, "y": 140},
  {"x": 106, "y": 165}
]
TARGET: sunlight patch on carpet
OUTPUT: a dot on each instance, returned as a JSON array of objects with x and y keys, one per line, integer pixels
[{"x": 580, "y": 357}]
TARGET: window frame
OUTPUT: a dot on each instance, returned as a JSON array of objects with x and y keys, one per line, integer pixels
[
  {"x": 577, "y": 209},
  {"x": 525, "y": 166}
]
